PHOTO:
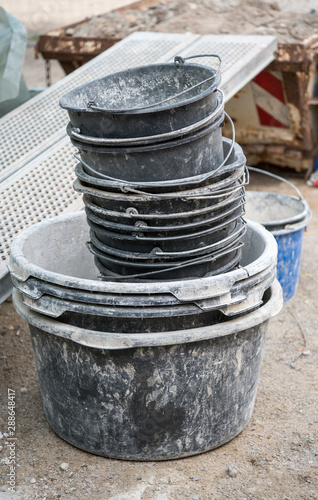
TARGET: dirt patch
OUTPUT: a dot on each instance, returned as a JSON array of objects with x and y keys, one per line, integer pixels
[{"x": 204, "y": 17}]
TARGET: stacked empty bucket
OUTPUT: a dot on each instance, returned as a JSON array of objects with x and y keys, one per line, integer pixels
[
  {"x": 163, "y": 322},
  {"x": 163, "y": 191}
]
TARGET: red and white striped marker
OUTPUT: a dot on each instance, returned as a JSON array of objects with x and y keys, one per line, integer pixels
[{"x": 268, "y": 91}]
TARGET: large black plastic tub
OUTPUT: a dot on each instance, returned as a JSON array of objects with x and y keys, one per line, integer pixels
[{"x": 150, "y": 397}]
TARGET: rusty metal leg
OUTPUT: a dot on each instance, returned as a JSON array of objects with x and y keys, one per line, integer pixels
[{"x": 48, "y": 78}]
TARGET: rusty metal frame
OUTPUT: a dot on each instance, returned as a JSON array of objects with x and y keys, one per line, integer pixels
[
  {"x": 72, "y": 52},
  {"x": 298, "y": 64}
]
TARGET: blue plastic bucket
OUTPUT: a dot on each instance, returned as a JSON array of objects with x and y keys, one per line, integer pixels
[
  {"x": 289, "y": 243},
  {"x": 286, "y": 217}
]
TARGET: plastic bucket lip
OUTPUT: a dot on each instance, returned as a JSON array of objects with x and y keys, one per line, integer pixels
[
  {"x": 159, "y": 239},
  {"x": 209, "y": 191},
  {"x": 195, "y": 181},
  {"x": 189, "y": 228},
  {"x": 212, "y": 117},
  {"x": 229, "y": 186},
  {"x": 178, "y": 141},
  {"x": 195, "y": 243},
  {"x": 118, "y": 258},
  {"x": 105, "y": 340},
  {"x": 156, "y": 253},
  {"x": 22, "y": 268},
  {"x": 133, "y": 217},
  {"x": 212, "y": 87},
  {"x": 293, "y": 227},
  {"x": 236, "y": 160},
  {"x": 198, "y": 153},
  {"x": 52, "y": 306},
  {"x": 35, "y": 289},
  {"x": 298, "y": 208}
]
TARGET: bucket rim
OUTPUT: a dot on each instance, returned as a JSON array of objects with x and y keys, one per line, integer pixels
[
  {"x": 42, "y": 288},
  {"x": 167, "y": 144},
  {"x": 210, "y": 119},
  {"x": 302, "y": 217},
  {"x": 293, "y": 228},
  {"x": 133, "y": 217},
  {"x": 208, "y": 191},
  {"x": 112, "y": 341},
  {"x": 21, "y": 268},
  {"x": 98, "y": 182},
  {"x": 212, "y": 87},
  {"x": 54, "y": 307}
]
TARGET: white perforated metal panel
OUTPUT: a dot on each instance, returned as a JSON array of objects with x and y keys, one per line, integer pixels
[
  {"x": 40, "y": 122},
  {"x": 42, "y": 189}
]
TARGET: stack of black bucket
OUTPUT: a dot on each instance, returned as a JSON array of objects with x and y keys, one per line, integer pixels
[
  {"x": 150, "y": 347},
  {"x": 163, "y": 190}
]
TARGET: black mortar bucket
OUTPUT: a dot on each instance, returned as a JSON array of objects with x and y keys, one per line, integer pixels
[
  {"x": 133, "y": 217},
  {"x": 165, "y": 203},
  {"x": 164, "y": 391},
  {"x": 187, "y": 156},
  {"x": 145, "y": 100},
  {"x": 175, "y": 227},
  {"x": 207, "y": 265},
  {"x": 233, "y": 159},
  {"x": 198, "y": 241}
]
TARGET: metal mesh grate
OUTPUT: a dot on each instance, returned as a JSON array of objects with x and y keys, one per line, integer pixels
[
  {"x": 243, "y": 57},
  {"x": 40, "y": 122},
  {"x": 41, "y": 190}
]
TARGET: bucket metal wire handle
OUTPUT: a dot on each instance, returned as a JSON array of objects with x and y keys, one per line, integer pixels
[
  {"x": 240, "y": 232},
  {"x": 225, "y": 191},
  {"x": 181, "y": 60},
  {"x": 201, "y": 259},
  {"x": 259, "y": 170},
  {"x": 142, "y": 226},
  {"x": 178, "y": 60},
  {"x": 205, "y": 231},
  {"x": 102, "y": 141}
]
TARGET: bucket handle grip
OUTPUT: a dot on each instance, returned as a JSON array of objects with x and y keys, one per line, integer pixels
[
  {"x": 111, "y": 141},
  {"x": 181, "y": 60},
  {"x": 177, "y": 60},
  {"x": 259, "y": 170}
]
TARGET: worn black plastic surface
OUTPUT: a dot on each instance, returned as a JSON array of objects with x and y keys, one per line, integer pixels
[
  {"x": 132, "y": 216},
  {"x": 149, "y": 403},
  {"x": 138, "y": 87},
  {"x": 175, "y": 243},
  {"x": 233, "y": 161},
  {"x": 192, "y": 155}
]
